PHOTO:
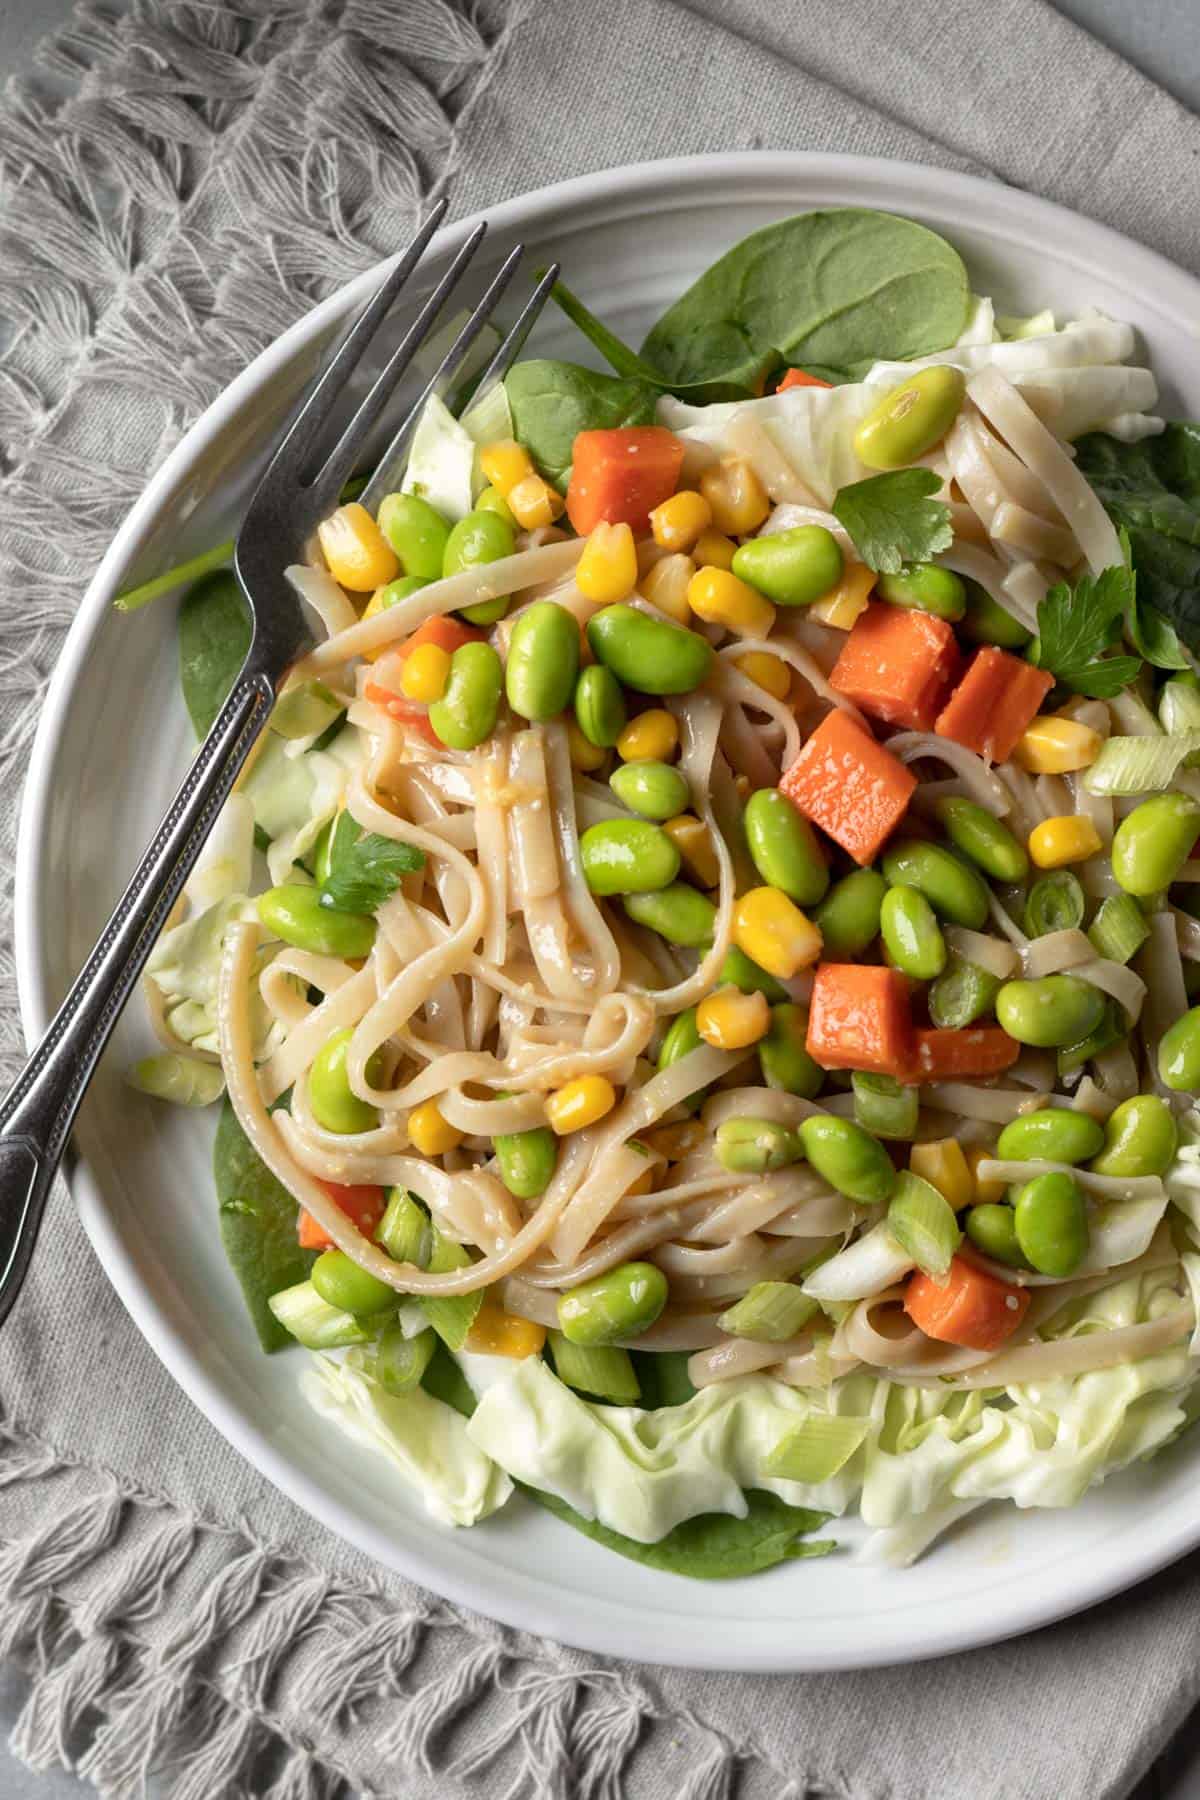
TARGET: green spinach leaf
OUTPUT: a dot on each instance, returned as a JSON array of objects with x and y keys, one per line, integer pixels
[
  {"x": 214, "y": 636},
  {"x": 663, "y": 1377},
  {"x": 894, "y": 518},
  {"x": 553, "y": 401},
  {"x": 258, "y": 1228},
  {"x": 1152, "y": 490}
]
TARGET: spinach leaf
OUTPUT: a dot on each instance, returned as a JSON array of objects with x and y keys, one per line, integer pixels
[
  {"x": 553, "y": 401},
  {"x": 663, "y": 1377},
  {"x": 1152, "y": 490},
  {"x": 214, "y": 636},
  {"x": 894, "y": 519},
  {"x": 258, "y": 1228}
]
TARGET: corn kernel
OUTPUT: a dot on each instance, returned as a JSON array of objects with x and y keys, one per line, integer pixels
[
  {"x": 713, "y": 550},
  {"x": 1069, "y": 839},
  {"x": 359, "y": 556},
  {"x": 736, "y": 496},
  {"x": 720, "y": 598},
  {"x": 607, "y": 570},
  {"x": 585, "y": 756},
  {"x": 580, "y": 1104},
  {"x": 431, "y": 1134},
  {"x": 768, "y": 672},
  {"x": 1053, "y": 745},
  {"x": 944, "y": 1166},
  {"x": 424, "y": 673},
  {"x": 678, "y": 522},
  {"x": 848, "y": 600},
  {"x": 533, "y": 502},
  {"x": 988, "y": 1192},
  {"x": 666, "y": 584},
  {"x": 674, "y": 1142},
  {"x": 774, "y": 933},
  {"x": 650, "y": 737},
  {"x": 742, "y": 788},
  {"x": 497, "y": 1333},
  {"x": 690, "y": 837},
  {"x": 504, "y": 463},
  {"x": 731, "y": 1020}
]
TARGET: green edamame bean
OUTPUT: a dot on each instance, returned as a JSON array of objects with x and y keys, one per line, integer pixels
[
  {"x": 793, "y": 568},
  {"x": 954, "y": 890},
  {"x": 1179, "y": 1054},
  {"x": 784, "y": 848},
  {"x": 482, "y": 537},
  {"x": 911, "y": 934},
  {"x": 492, "y": 500},
  {"x": 741, "y": 971},
  {"x": 1153, "y": 842},
  {"x": 1140, "y": 1138},
  {"x": 782, "y": 1054},
  {"x": 648, "y": 654},
  {"x": 987, "y": 622},
  {"x": 925, "y": 587},
  {"x": 417, "y": 533},
  {"x": 334, "y": 1105},
  {"x": 848, "y": 917},
  {"x": 911, "y": 418},
  {"x": 1050, "y": 1218},
  {"x": 599, "y": 706},
  {"x": 612, "y": 1307},
  {"x": 341, "y": 1283},
  {"x": 527, "y": 1160},
  {"x": 656, "y": 790},
  {"x": 677, "y": 912},
  {"x": 848, "y": 1157},
  {"x": 627, "y": 856},
  {"x": 543, "y": 661},
  {"x": 681, "y": 1039},
  {"x": 755, "y": 1146},
  {"x": 296, "y": 915},
  {"x": 398, "y": 590},
  {"x": 984, "y": 839},
  {"x": 466, "y": 713},
  {"x": 1051, "y": 1135},
  {"x": 1057, "y": 1010},
  {"x": 993, "y": 1229}
]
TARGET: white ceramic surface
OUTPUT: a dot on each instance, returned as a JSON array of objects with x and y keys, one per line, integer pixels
[{"x": 629, "y": 241}]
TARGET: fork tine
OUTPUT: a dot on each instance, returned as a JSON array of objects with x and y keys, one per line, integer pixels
[{"x": 514, "y": 342}]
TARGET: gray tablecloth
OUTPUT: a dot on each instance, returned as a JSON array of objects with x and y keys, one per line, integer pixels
[{"x": 182, "y": 184}]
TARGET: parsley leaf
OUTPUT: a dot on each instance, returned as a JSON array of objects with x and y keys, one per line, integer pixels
[
  {"x": 1076, "y": 627},
  {"x": 365, "y": 871},
  {"x": 894, "y": 520}
]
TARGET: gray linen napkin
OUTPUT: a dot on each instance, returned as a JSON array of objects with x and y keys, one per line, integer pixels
[{"x": 184, "y": 181}]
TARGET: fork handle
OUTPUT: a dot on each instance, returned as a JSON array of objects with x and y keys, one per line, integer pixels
[{"x": 37, "y": 1113}]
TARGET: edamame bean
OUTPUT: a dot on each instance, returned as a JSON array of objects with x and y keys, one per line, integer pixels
[
  {"x": 612, "y": 1307},
  {"x": 784, "y": 847},
  {"x": 924, "y": 587},
  {"x": 954, "y": 891},
  {"x": 677, "y": 912},
  {"x": 793, "y": 568},
  {"x": 492, "y": 500},
  {"x": 650, "y": 655},
  {"x": 653, "y": 789},
  {"x": 911, "y": 934},
  {"x": 1153, "y": 842},
  {"x": 681, "y": 1039},
  {"x": 396, "y": 591},
  {"x": 599, "y": 706},
  {"x": 341, "y": 1283},
  {"x": 466, "y": 713},
  {"x": 742, "y": 972},
  {"x": 848, "y": 917},
  {"x": 782, "y": 1055},
  {"x": 334, "y": 1104},
  {"x": 543, "y": 661},
  {"x": 992, "y": 1229},
  {"x": 627, "y": 856},
  {"x": 987, "y": 622},
  {"x": 482, "y": 537},
  {"x": 984, "y": 839},
  {"x": 848, "y": 1157},
  {"x": 296, "y": 915},
  {"x": 1179, "y": 1054},
  {"x": 417, "y": 533},
  {"x": 527, "y": 1160},
  {"x": 911, "y": 418},
  {"x": 755, "y": 1146},
  {"x": 1140, "y": 1138},
  {"x": 1057, "y": 1010},
  {"x": 1052, "y": 1134},
  {"x": 1050, "y": 1219}
]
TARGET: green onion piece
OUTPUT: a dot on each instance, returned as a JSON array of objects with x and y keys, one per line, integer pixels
[
  {"x": 404, "y": 1230},
  {"x": 883, "y": 1106},
  {"x": 922, "y": 1222},
  {"x": 818, "y": 1449},
  {"x": 399, "y": 1362},
  {"x": 313, "y": 1322},
  {"x": 1141, "y": 765},
  {"x": 1119, "y": 928},
  {"x": 1179, "y": 703},
  {"x": 184, "y": 1079},
  {"x": 1055, "y": 903},
  {"x": 452, "y": 1316},
  {"x": 770, "y": 1312},
  {"x": 305, "y": 710},
  {"x": 604, "y": 1371},
  {"x": 1109, "y": 1031},
  {"x": 962, "y": 993}
]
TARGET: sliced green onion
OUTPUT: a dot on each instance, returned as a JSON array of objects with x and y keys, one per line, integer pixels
[
  {"x": 770, "y": 1312},
  {"x": 1035, "y": 325},
  {"x": 1055, "y": 903},
  {"x": 922, "y": 1222},
  {"x": 404, "y": 1230},
  {"x": 818, "y": 1449},
  {"x": 183, "y": 1079},
  {"x": 1179, "y": 704},
  {"x": 1111, "y": 1030},
  {"x": 1141, "y": 765},
  {"x": 883, "y": 1106},
  {"x": 313, "y": 1322},
  {"x": 604, "y": 1371},
  {"x": 305, "y": 710},
  {"x": 1119, "y": 928},
  {"x": 399, "y": 1362},
  {"x": 962, "y": 993},
  {"x": 453, "y": 1315}
]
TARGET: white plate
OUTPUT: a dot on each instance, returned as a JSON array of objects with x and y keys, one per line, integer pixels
[{"x": 629, "y": 242}]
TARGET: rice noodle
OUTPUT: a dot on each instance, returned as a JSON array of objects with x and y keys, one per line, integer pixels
[{"x": 1056, "y": 952}]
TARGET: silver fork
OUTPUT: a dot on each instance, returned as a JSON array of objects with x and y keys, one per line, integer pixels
[{"x": 301, "y": 486}]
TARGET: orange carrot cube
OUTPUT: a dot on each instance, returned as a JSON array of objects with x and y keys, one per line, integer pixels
[
  {"x": 859, "y": 1018},
  {"x": 949, "y": 1055},
  {"x": 993, "y": 704},
  {"x": 898, "y": 665},
  {"x": 363, "y": 1206},
  {"x": 849, "y": 785},
  {"x": 618, "y": 477},
  {"x": 970, "y": 1307}
]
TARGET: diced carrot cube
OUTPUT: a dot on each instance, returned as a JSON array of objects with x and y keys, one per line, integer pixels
[
  {"x": 363, "y": 1206},
  {"x": 849, "y": 785},
  {"x": 970, "y": 1307},
  {"x": 949, "y": 1055},
  {"x": 898, "y": 665},
  {"x": 859, "y": 1018},
  {"x": 797, "y": 378},
  {"x": 993, "y": 703},
  {"x": 444, "y": 630},
  {"x": 618, "y": 477}
]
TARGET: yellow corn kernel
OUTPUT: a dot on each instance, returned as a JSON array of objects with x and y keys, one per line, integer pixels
[
  {"x": 651, "y": 737},
  {"x": 1069, "y": 839},
  {"x": 607, "y": 570},
  {"x": 585, "y": 756},
  {"x": 774, "y": 933},
  {"x": 691, "y": 838},
  {"x": 533, "y": 502},
  {"x": 766, "y": 671},
  {"x": 944, "y": 1166},
  {"x": 424, "y": 673},
  {"x": 666, "y": 584},
  {"x": 741, "y": 785},
  {"x": 850, "y": 598},
  {"x": 674, "y": 1142},
  {"x": 985, "y": 1192},
  {"x": 504, "y": 463},
  {"x": 736, "y": 496},
  {"x": 1054, "y": 745},
  {"x": 678, "y": 522},
  {"x": 359, "y": 556},
  {"x": 429, "y": 1133},
  {"x": 497, "y": 1333},
  {"x": 731, "y": 1020},
  {"x": 720, "y": 598},
  {"x": 580, "y": 1104},
  {"x": 713, "y": 550},
  {"x": 375, "y": 605}
]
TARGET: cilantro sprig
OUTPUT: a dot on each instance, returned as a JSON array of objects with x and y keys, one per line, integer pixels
[
  {"x": 365, "y": 871},
  {"x": 893, "y": 519},
  {"x": 1078, "y": 626}
]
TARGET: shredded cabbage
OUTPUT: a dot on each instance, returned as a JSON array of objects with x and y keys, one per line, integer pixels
[
  {"x": 185, "y": 966},
  {"x": 294, "y": 797}
]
